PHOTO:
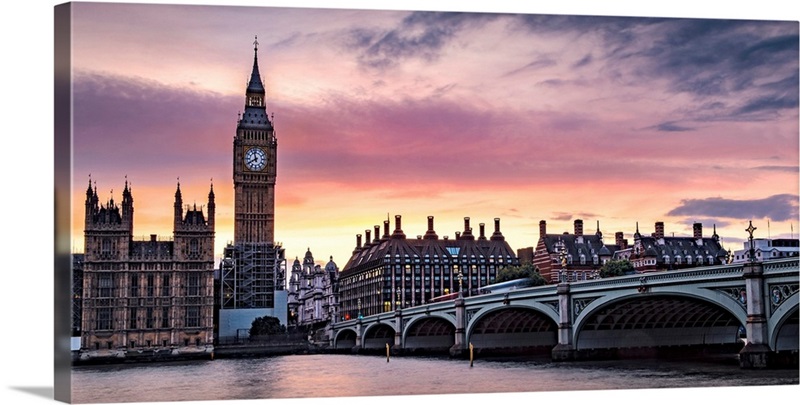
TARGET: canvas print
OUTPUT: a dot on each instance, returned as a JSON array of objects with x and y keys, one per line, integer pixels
[{"x": 275, "y": 203}]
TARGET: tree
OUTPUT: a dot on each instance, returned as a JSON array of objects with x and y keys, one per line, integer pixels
[
  {"x": 614, "y": 268},
  {"x": 267, "y": 325},
  {"x": 526, "y": 270}
]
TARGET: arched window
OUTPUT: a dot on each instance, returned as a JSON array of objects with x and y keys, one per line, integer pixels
[{"x": 677, "y": 260}]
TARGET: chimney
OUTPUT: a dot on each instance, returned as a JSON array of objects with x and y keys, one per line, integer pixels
[
  {"x": 659, "y": 234},
  {"x": 458, "y": 235},
  {"x": 377, "y": 233},
  {"x": 497, "y": 235},
  {"x": 153, "y": 237},
  {"x": 578, "y": 227},
  {"x": 398, "y": 229},
  {"x": 618, "y": 239},
  {"x": 542, "y": 228},
  {"x": 483, "y": 231},
  {"x": 368, "y": 239},
  {"x": 386, "y": 229},
  {"x": 698, "y": 230},
  {"x": 430, "y": 233},
  {"x": 358, "y": 241},
  {"x": 467, "y": 234}
]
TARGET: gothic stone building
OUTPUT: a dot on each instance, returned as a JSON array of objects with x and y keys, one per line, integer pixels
[
  {"x": 391, "y": 271},
  {"x": 146, "y": 298},
  {"x": 313, "y": 295}
]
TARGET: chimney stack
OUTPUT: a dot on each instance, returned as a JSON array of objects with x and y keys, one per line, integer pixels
[
  {"x": 358, "y": 241},
  {"x": 620, "y": 240},
  {"x": 698, "y": 230},
  {"x": 430, "y": 233},
  {"x": 578, "y": 227},
  {"x": 377, "y": 233},
  {"x": 467, "y": 234},
  {"x": 368, "y": 239},
  {"x": 659, "y": 234},
  {"x": 398, "y": 230},
  {"x": 542, "y": 228},
  {"x": 386, "y": 229},
  {"x": 497, "y": 235},
  {"x": 483, "y": 231}
]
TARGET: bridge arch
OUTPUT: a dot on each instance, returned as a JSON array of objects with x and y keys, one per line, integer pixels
[
  {"x": 784, "y": 333},
  {"x": 512, "y": 328},
  {"x": 429, "y": 333},
  {"x": 345, "y": 339},
  {"x": 653, "y": 320},
  {"x": 377, "y": 335}
]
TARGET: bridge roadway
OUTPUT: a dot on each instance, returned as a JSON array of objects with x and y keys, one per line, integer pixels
[{"x": 701, "y": 309}]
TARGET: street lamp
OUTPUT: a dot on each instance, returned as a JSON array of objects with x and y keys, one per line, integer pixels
[
  {"x": 398, "y": 304},
  {"x": 562, "y": 254},
  {"x": 359, "y": 309},
  {"x": 750, "y": 230}
]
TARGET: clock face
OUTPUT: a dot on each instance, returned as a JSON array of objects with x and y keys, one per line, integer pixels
[{"x": 255, "y": 159}]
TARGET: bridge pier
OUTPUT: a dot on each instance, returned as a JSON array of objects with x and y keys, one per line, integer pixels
[
  {"x": 756, "y": 352},
  {"x": 359, "y": 338},
  {"x": 397, "y": 348},
  {"x": 565, "y": 349},
  {"x": 459, "y": 349}
]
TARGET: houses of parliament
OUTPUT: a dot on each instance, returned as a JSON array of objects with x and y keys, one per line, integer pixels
[{"x": 166, "y": 297}]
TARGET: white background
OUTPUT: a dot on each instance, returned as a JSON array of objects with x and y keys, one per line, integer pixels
[{"x": 26, "y": 199}]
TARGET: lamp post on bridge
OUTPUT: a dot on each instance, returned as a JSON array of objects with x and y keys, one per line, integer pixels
[{"x": 460, "y": 281}]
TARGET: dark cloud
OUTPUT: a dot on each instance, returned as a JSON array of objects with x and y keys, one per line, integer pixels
[
  {"x": 585, "y": 61},
  {"x": 534, "y": 65},
  {"x": 754, "y": 64},
  {"x": 421, "y": 35},
  {"x": 781, "y": 207},
  {"x": 788, "y": 169},
  {"x": 671, "y": 127},
  {"x": 135, "y": 125}
]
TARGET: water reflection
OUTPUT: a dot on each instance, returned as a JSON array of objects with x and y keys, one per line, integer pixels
[{"x": 314, "y": 376}]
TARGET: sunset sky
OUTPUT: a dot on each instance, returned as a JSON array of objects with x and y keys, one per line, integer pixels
[{"x": 520, "y": 117}]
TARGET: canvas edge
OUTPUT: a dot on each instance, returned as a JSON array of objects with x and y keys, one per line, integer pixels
[{"x": 62, "y": 123}]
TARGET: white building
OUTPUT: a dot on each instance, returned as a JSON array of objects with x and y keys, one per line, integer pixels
[
  {"x": 313, "y": 295},
  {"x": 768, "y": 249}
]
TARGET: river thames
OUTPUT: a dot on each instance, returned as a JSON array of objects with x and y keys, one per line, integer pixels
[{"x": 329, "y": 376}]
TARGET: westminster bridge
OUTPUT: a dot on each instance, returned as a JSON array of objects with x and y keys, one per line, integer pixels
[{"x": 704, "y": 308}]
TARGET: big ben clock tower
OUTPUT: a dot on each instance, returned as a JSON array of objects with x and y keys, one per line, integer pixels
[{"x": 254, "y": 166}]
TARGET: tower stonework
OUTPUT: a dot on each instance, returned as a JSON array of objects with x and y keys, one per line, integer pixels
[
  {"x": 254, "y": 166},
  {"x": 252, "y": 273}
]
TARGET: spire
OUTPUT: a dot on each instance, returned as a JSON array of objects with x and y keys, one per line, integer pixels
[
  {"x": 637, "y": 234},
  {"x": 255, "y": 85}
]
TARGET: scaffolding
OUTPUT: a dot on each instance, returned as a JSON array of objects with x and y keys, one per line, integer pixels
[{"x": 250, "y": 273}]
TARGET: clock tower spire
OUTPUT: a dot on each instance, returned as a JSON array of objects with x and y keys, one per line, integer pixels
[{"x": 254, "y": 165}]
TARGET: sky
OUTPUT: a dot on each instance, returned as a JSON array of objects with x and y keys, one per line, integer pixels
[
  {"x": 746, "y": 159},
  {"x": 522, "y": 117}
]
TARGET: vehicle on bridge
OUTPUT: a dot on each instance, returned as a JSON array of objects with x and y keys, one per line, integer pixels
[{"x": 506, "y": 286}]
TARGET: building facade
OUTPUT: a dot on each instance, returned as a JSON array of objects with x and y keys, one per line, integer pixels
[
  {"x": 767, "y": 249},
  {"x": 146, "y": 298},
  {"x": 390, "y": 271},
  {"x": 573, "y": 256},
  {"x": 251, "y": 276},
  {"x": 313, "y": 294},
  {"x": 659, "y": 252}
]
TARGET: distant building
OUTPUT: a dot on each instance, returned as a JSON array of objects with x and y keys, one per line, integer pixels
[
  {"x": 391, "y": 271},
  {"x": 582, "y": 254},
  {"x": 313, "y": 294},
  {"x": 148, "y": 298},
  {"x": 768, "y": 249},
  {"x": 660, "y": 252}
]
